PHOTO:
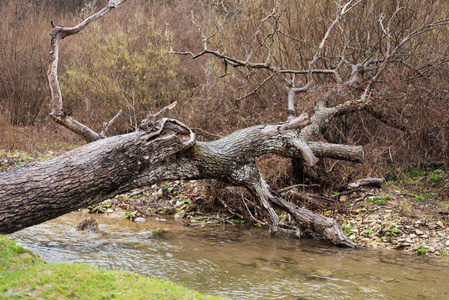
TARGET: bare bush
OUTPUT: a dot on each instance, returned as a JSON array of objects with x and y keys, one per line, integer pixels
[{"x": 23, "y": 92}]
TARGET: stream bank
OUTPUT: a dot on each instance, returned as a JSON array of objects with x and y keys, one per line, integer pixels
[
  {"x": 24, "y": 274},
  {"x": 377, "y": 218}
]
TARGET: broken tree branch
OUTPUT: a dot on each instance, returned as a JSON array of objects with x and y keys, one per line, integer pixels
[
  {"x": 58, "y": 114},
  {"x": 107, "y": 124}
]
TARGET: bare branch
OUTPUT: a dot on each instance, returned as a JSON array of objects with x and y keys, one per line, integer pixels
[
  {"x": 294, "y": 90},
  {"x": 292, "y": 124},
  {"x": 252, "y": 92},
  {"x": 153, "y": 117},
  {"x": 107, "y": 124},
  {"x": 275, "y": 8},
  {"x": 57, "y": 112},
  {"x": 228, "y": 60},
  {"x": 66, "y": 31},
  {"x": 388, "y": 56}
]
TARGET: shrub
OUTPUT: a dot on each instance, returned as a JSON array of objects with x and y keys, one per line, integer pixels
[{"x": 121, "y": 66}]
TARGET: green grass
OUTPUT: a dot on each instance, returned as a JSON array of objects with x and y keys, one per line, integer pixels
[
  {"x": 423, "y": 185},
  {"x": 24, "y": 275}
]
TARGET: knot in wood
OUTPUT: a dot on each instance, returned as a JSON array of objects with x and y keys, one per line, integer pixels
[{"x": 147, "y": 125}]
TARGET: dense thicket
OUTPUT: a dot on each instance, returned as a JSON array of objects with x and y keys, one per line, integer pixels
[{"x": 135, "y": 72}]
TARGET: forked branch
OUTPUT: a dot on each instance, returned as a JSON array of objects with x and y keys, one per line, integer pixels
[{"x": 58, "y": 114}]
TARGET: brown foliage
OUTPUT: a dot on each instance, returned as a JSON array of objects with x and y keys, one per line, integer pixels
[{"x": 408, "y": 125}]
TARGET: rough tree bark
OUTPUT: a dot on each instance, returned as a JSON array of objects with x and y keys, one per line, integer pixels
[{"x": 163, "y": 150}]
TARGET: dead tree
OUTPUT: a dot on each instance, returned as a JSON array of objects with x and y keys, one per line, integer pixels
[
  {"x": 165, "y": 149},
  {"x": 159, "y": 150}
]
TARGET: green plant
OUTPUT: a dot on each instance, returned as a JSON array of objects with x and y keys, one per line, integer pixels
[
  {"x": 282, "y": 216},
  {"x": 378, "y": 240},
  {"x": 404, "y": 208},
  {"x": 368, "y": 231},
  {"x": 24, "y": 274},
  {"x": 237, "y": 221},
  {"x": 347, "y": 228},
  {"x": 435, "y": 178},
  {"x": 414, "y": 172},
  {"x": 378, "y": 200},
  {"x": 130, "y": 215},
  {"x": 392, "y": 231},
  {"x": 422, "y": 250},
  {"x": 348, "y": 168},
  {"x": 420, "y": 198}
]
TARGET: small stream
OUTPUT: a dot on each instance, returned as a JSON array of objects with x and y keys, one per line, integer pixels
[{"x": 238, "y": 262}]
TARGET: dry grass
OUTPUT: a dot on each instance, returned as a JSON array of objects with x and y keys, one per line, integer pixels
[{"x": 38, "y": 139}]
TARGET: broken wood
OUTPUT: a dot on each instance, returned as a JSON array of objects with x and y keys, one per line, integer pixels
[{"x": 365, "y": 182}]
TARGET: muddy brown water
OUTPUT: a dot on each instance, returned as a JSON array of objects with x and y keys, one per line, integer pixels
[{"x": 238, "y": 262}]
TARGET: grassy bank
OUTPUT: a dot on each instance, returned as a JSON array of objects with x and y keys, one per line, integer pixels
[{"x": 25, "y": 275}]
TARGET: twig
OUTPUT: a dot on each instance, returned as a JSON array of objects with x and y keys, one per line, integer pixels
[
  {"x": 347, "y": 192},
  {"x": 297, "y": 185},
  {"x": 255, "y": 90},
  {"x": 151, "y": 117},
  {"x": 359, "y": 199},
  {"x": 107, "y": 124},
  {"x": 229, "y": 209},
  {"x": 252, "y": 217},
  {"x": 207, "y": 134},
  {"x": 322, "y": 197},
  {"x": 138, "y": 192}
]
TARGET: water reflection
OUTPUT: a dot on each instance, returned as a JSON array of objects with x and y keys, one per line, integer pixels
[{"x": 240, "y": 263}]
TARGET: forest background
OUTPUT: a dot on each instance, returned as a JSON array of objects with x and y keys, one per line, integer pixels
[{"x": 123, "y": 62}]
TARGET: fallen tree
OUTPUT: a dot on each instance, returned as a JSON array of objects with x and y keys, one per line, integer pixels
[
  {"x": 158, "y": 151},
  {"x": 166, "y": 149}
]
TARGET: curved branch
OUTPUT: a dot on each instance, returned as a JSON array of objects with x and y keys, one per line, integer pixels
[{"x": 57, "y": 113}]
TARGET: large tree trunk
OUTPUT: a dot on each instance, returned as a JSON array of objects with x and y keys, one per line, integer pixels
[{"x": 158, "y": 151}]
